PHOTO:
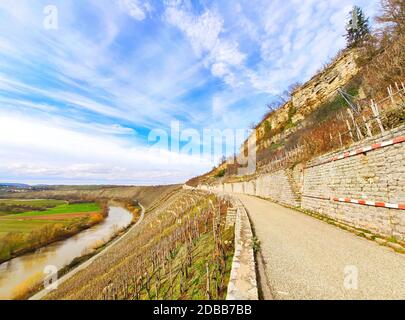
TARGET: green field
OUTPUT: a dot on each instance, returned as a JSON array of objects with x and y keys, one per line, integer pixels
[
  {"x": 16, "y": 222},
  {"x": 31, "y": 202},
  {"x": 43, "y": 222},
  {"x": 27, "y": 226},
  {"x": 13, "y": 206},
  {"x": 64, "y": 208}
]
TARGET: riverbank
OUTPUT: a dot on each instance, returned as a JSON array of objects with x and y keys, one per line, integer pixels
[
  {"x": 66, "y": 234},
  {"x": 80, "y": 263},
  {"x": 19, "y": 277},
  {"x": 165, "y": 257},
  {"x": 26, "y": 232}
]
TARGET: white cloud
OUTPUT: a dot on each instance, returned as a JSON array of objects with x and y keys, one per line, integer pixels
[
  {"x": 79, "y": 65},
  {"x": 219, "y": 69},
  {"x": 33, "y": 148},
  {"x": 227, "y": 52},
  {"x": 298, "y": 38},
  {"x": 204, "y": 33},
  {"x": 135, "y": 8}
]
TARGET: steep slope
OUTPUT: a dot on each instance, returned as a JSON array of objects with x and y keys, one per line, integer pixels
[{"x": 147, "y": 195}]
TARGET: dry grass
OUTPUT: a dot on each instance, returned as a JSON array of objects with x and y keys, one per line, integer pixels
[
  {"x": 385, "y": 68},
  {"x": 27, "y": 287}
]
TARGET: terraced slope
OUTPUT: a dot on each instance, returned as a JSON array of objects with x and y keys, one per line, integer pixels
[{"x": 179, "y": 248}]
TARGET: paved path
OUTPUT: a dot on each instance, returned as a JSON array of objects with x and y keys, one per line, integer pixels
[{"x": 306, "y": 258}]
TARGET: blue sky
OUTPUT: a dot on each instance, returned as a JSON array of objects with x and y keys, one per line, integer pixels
[{"x": 77, "y": 103}]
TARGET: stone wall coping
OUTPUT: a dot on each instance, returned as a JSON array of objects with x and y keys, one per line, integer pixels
[{"x": 243, "y": 282}]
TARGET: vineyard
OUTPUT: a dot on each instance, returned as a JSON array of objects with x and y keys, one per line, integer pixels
[{"x": 180, "y": 251}]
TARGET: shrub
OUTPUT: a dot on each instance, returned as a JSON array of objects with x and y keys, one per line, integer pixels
[
  {"x": 221, "y": 173},
  {"x": 267, "y": 128}
]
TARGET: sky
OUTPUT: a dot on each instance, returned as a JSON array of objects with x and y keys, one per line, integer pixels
[{"x": 87, "y": 86}]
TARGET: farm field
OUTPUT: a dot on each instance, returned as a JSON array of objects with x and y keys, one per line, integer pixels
[
  {"x": 12, "y": 206},
  {"x": 44, "y": 221},
  {"x": 64, "y": 208}
]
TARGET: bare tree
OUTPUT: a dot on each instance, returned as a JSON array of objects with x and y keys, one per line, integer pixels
[{"x": 392, "y": 16}]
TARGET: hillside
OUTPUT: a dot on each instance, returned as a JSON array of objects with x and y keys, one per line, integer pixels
[
  {"x": 148, "y": 196},
  {"x": 315, "y": 100},
  {"x": 181, "y": 250},
  {"x": 335, "y": 148},
  {"x": 332, "y": 110}
]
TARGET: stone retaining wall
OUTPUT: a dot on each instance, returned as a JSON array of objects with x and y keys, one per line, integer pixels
[
  {"x": 276, "y": 186},
  {"x": 242, "y": 282},
  {"x": 377, "y": 175}
]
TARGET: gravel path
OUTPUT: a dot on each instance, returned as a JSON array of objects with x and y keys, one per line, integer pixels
[{"x": 306, "y": 258}]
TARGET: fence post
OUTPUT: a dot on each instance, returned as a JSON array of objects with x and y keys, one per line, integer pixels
[
  {"x": 340, "y": 139},
  {"x": 350, "y": 129},
  {"x": 367, "y": 127},
  {"x": 359, "y": 134},
  {"x": 391, "y": 95},
  {"x": 376, "y": 113},
  {"x": 397, "y": 86}
]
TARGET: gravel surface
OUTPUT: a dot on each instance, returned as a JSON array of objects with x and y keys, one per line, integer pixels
[{"x": 306, "y": 258}]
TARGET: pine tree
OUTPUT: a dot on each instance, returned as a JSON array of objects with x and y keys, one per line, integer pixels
[{"x": 358, "y": 27}]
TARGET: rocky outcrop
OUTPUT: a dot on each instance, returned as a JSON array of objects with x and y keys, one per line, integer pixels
[
  {"x": 323, "y": 87},
  {"x": 310, "y": 96}
]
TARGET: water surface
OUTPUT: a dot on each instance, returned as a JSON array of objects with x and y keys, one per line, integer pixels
[{"x": 21, "y": 272}]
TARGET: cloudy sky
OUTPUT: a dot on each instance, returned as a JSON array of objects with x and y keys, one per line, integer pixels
[{"x": 78, "y": 103}]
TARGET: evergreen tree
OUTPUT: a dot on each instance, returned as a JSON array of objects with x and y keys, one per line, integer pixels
[{"x": 358, "y": 27}]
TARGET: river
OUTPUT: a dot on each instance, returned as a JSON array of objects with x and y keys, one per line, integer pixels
[{"x": 22, "y": 272}]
